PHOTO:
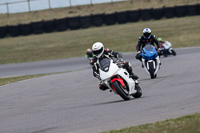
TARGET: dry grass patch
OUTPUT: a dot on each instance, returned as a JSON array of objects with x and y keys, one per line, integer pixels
[
  {"x": 182, "y": 32},
  {"x": 18, "y": 18}
]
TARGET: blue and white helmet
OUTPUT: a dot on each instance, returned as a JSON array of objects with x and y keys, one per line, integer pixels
[{"x": 147, "y": 33}]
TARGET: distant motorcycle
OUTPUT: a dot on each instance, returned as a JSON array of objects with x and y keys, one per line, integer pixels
[
  {"x": 168, "y": 50},
  {"x": 118, "y": 79},
  {"x": 150, "y": 60}
]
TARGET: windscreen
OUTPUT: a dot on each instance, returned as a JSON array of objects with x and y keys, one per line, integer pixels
[
  {"x": 148, "y": 47},
  {"x": 104, "y": 64}
]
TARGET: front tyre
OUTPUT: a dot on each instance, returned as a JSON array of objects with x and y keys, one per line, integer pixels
[
  {"x": 152, "y": 70},
  {"x": 124, "y": 94}
]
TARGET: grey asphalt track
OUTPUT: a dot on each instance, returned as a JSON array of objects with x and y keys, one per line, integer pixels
[
  {"x": 72, "y": 103},
  {"x": 43, "y": 67},
  {"x": 63, "y": 65}
]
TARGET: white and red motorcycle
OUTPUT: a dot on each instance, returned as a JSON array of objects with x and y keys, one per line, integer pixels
[{"x": 118, "y": 79}]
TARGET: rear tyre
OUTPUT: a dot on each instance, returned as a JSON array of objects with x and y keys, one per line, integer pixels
[
  {"x": 120, "y": 90},
  {"x": 151, "y": 70},
  {"x": 173, "y": 53},
  {"x": 165, "y": 55},
  {"x": 138, "y": 94}
]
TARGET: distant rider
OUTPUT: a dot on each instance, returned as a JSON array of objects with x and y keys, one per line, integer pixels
[
  {"x": 147, "y": 38},
  {"x": 161, "y": 41},
  {"x": 100, "y": 53},
  {"x": 89, "y": 55},
  {"x": 167, "y": 47}
]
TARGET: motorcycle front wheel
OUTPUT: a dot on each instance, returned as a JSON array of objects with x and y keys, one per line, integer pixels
[
  {"x": 120, "y": 90},
  {"x": 151, "y": 71}
]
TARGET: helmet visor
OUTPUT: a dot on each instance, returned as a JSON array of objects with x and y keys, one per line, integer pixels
[
  {"x": 147, "y": 34},
  {"x": 97, "y": 52}
]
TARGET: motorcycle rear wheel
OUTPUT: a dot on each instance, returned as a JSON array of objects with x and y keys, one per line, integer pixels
[
  {"x": 173, "y": 53},
  {"x": 124, "y": 95}
]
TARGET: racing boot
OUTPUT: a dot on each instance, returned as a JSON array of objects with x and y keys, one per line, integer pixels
[
  {"x": 134, "y": 76},
  {"x": 103, "y": 86}
]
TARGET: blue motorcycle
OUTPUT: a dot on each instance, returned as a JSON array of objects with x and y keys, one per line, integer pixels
[{"x": 150, "y": 60}]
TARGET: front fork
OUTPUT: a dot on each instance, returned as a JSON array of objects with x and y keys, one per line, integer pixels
[
  {"x": 120, "y": 80},
  {"x": 155, "y": 67}
]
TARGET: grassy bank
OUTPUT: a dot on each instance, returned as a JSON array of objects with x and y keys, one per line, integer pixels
[
  {"x": 14, "y": 19},
  {"x": 9, "y": 80},
  {"x": 182, "y": 32},
  {"x": 185, "y": 124}
]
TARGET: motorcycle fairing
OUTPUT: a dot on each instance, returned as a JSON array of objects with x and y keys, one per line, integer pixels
[
  {"x": 105, "y": 75},
  {"x": 149, "y": 52},
  {"x": 120, "y": 80},
  {"x": 114, "y": 70},
  {"x": 125, "y": 75},
  {"x": 167, "y": 45},
  {"x": 155, "y": 62}
]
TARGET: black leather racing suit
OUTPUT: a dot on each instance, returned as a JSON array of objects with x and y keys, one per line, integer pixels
[
  {"x": 110, "y": 53},
  {"x": 142, "y": 42}
]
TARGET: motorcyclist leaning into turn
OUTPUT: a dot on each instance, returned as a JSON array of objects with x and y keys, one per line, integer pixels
[
  {"x": 100, "y": 53},
  {"x": 147, "y": 38},
  {"x": 89, "y": 55},
  {"x": 161, "y": 41}
]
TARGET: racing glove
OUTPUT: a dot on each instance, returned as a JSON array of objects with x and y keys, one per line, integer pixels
[{"x": 138, "y": 55}]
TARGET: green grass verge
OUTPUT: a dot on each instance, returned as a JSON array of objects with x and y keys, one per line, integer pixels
[
  {"x": 185, "y": 124},
  {"x": 8, "y": 80},
  {"x": 182, "y": 32}
]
